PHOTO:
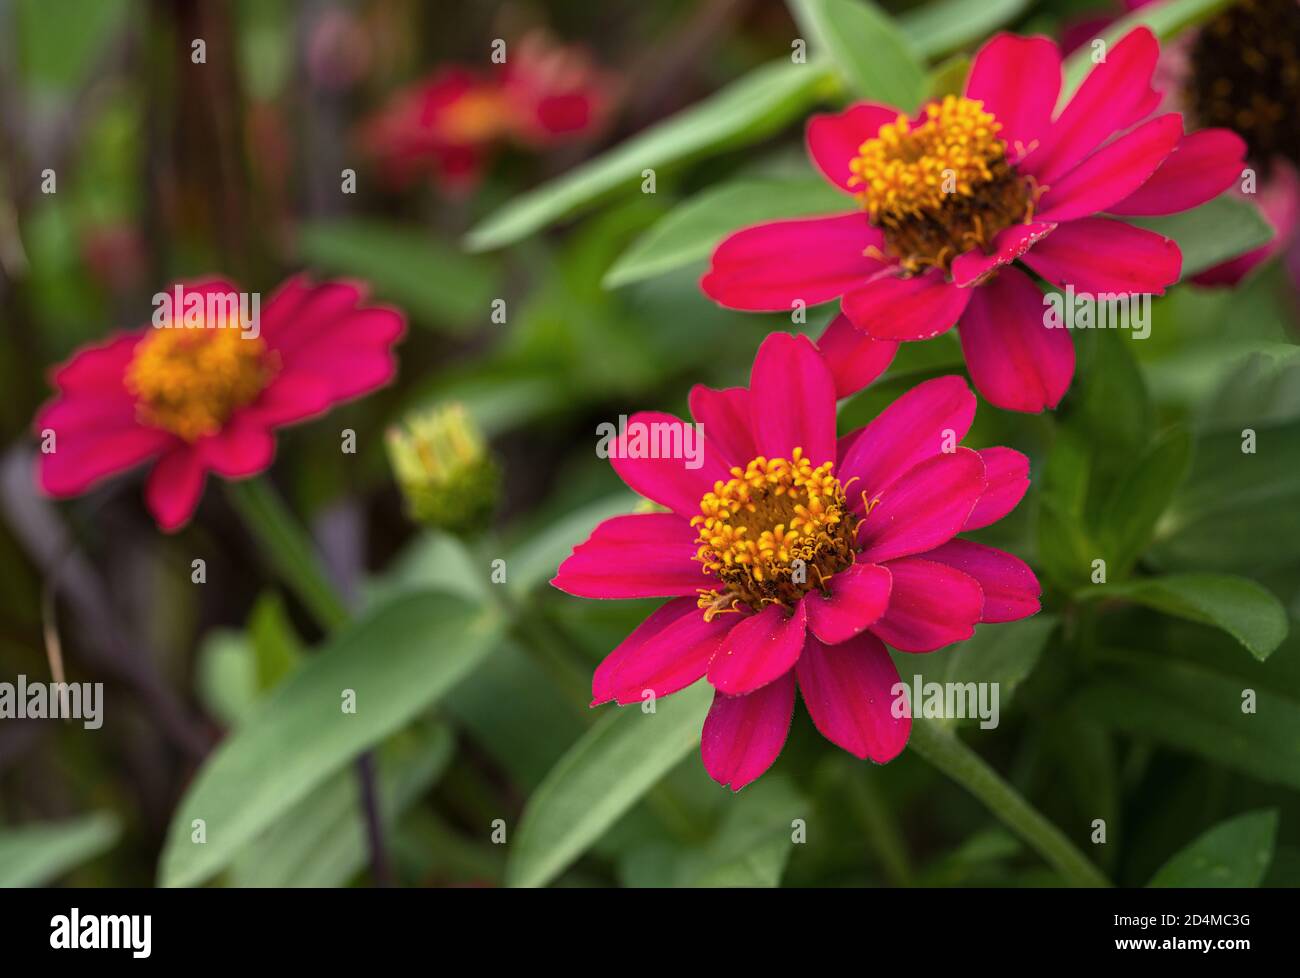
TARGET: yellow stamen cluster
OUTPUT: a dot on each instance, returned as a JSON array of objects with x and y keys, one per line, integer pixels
[
  {"x": 907, "y": 170},
  {"x": 190, "y": 381},
  {"x": 778, "y": 528},
  {"x": 942, "y": 187}
]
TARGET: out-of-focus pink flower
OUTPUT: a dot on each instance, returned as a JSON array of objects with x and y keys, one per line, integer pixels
[
  {"x": 793, "y": 558},
  {"x": 114, "y": 254},
  {"x": 449, "y": 125},
  {"x": 205, "y": 388}
]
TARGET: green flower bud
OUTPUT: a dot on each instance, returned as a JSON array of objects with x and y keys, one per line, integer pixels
[{"x": 443, "y": 468}]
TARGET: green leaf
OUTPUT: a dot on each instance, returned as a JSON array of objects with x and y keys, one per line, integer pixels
[
  {"x": 38, "y": 855},
  {"x": 1236, "y": 504},
  {"x": 873, "y": 56},
  {"x": 1219, "y": 229},
  {"x": 398, "y": 659},
  {"x": 438, "y": 285},
  {"x": 1196, "y": 707},
  {"x": 947, "y": 25},
  {"x": 1235, "y": 854},
  {"x": 321, "y": 841},
  {"x": 603, "y": 775},
  {"x": 693, "y": 229},
  {"x": 227, "y": 675},
  {"x": 745, "y": 111},
  {"x": 277, "y": 650},
  {"x": 1128, "y": 518},
  {"x": 750, "y": 848},
  {"x": 1240, "y": 607},
  {"x": 1164, "y": 19}
]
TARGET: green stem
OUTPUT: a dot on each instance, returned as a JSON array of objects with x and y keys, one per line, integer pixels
[
  {"x": 289, "y": 549},
  {"x": 951, "y": 756}
]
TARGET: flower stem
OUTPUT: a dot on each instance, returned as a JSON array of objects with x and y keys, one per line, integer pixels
[
  {"x": 947, "y": 752},
  {"x": 289, "y": 549}
]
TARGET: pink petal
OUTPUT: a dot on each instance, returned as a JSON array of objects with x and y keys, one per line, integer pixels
[
  {"x": 1006, "y": 473},
  {"x": 770, "y": 267},
  {"x": 667, "y": 481},
  {"x": 1010, "y": 588},
  {"x": 920, "y": 424},
  {"x": 299, "y": 310},
  {"x": 645, "y": 555},
  {"x": 792, "y": 400},
  {"x": 1113, "y": 172},
  {"x": 1202, "y": 166},
  {"x": 760, "y": 649},
  {"x": 98, "y": 368},
  {"x": 1018, "y": 79},
  {"x": 668, "y": 651},
  {"x": 854, "y": 358},
  {"x": 927, "y": 506},
  {"x": 242, "y": 448},
  {"x": 834, "y": 140},
  {"x": 973, "y": 267},
  {"x": 174, "y": 486},
  {"x": 743, "y": 735},
  {"x": 894, "y": 307},
  {"x": 82, "y": 458},
  {"x": 292, "y": 397},
  {"x": 849, "y": 692},
  {"x": 1097, "y": 254},
  {"x": 931, "y": 605},
  {"x": 725, "y": 416},
  {"x": 1016, "y": 361},
  {"x": 858, "y": 597},
  {"x": 1116, "y": 94}
]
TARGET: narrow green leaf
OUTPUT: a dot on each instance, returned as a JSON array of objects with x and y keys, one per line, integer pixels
[
  {"x": 947, "y": 25},
  {"x": 1233, "y": 854},
  {"x": 321, "y": 841},
  {"x": 1128, "y": 518},
  {"x": 38, "y": 855},
  {"x": 1219, "y": 229},
  {"x": 748, "y": 109},
  {"x": 873, "y": 56},
  {"x": 690, "y": 231},
  {"x": 398, "y": 660},
  {"x": 439, "y": 286},
  {"x": 1194, "y": 707},
  {"x": 1164, "y": 19},
  {"x": 1240, "y": 607},
  {"x": 603, "y": 775}
]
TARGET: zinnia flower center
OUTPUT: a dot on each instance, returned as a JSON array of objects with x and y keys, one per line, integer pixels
[
  {"x": 773, "y": 532},
  {"x": 942, "y": 187},
  {"x": 1245, "y": 75},
  {"x": 190, "y": 381}
]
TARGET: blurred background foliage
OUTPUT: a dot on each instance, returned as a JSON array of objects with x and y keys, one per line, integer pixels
[{"x": 472, "y": 694}]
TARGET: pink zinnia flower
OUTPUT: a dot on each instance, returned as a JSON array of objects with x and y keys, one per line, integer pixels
[
  {"x": 792, "y": 558},
  {"x": 972, "y": 185},
  {"x": 197, "y": 396}
]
